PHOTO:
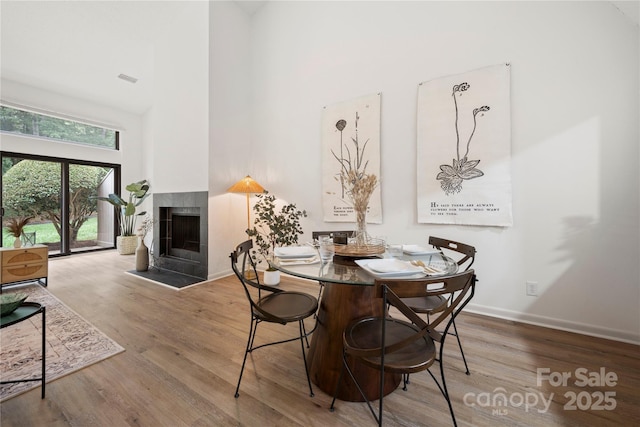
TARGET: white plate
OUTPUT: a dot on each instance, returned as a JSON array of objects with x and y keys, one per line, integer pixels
[
  {"x": 285, "y": 262},
  {"x": 419, "y": 250},
  {"x": 390, "y": 268},
  {"x": 286, "y": 252}
]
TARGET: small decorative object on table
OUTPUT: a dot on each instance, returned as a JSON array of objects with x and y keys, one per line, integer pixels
[
  {"x": 28, "y": 239},
  {"x": 15, "y": 227},
  {"x": 10, "y": 302},
  {"x": 271, "y": 277},
  {"x": 346, "y": 254}
]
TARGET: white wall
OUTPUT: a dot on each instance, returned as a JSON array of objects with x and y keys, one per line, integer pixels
[
  {"x": 574, "y": 85},
  {"x": 178, "y": 122},
  {"x": 229, "y": 130}
]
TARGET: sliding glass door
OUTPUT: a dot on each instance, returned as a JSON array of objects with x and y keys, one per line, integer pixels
[{"x": 58, "y": 195}]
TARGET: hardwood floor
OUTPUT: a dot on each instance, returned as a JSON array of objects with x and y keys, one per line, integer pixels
[{"x": 184, "y": 350}]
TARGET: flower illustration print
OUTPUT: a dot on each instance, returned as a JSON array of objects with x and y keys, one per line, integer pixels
[{"x": 452, "y": 176}]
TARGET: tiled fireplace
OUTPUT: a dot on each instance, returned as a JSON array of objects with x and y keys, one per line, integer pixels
[{"x": 180, "y": 235}]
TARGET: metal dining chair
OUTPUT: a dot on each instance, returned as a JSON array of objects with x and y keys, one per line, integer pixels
[
  {"x": 400, "y": 346},
  {"x": 435, "y": 304},
  {"x": 268, "y": 304}
]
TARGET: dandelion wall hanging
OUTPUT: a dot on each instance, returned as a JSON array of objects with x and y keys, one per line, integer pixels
[
  {"x": 451, "y": 177},
  {"x": 463, "y": 121},
  {"x": 351, "y": 161}
]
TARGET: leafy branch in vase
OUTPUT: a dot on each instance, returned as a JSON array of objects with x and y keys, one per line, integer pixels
[{"x": 462, "y": 168}]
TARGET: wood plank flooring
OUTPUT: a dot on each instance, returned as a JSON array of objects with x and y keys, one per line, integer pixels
[{"x": 184, "y": 350}]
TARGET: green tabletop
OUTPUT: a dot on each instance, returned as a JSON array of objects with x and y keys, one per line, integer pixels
[{"x": 26, "y": 310}]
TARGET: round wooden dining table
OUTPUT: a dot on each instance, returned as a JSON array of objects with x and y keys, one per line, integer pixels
[{"x": 347, "y": 296}]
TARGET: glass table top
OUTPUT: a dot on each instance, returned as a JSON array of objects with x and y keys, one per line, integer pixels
[{"x": 353, "y": 274}]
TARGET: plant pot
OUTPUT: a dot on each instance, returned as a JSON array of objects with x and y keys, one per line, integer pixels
[
  {"x": 271, "y": 277},
  {"x": 126, "y": 245}
]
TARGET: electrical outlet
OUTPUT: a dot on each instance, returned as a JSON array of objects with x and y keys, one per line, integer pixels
[{"x": 532, "y": 288}]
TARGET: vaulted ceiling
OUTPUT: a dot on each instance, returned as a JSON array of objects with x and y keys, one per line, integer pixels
[{"x": 80, "y": 47}]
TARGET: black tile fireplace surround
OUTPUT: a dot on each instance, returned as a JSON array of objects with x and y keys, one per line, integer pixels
[{"x": 180, "y": 235}]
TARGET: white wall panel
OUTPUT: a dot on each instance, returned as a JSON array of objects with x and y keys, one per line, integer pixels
[{"x": 574, "y": 136}]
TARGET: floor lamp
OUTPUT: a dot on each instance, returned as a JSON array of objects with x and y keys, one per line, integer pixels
[{"x": 247, "y": 185}]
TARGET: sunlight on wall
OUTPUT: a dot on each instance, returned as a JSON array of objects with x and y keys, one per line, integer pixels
[{"x": 568, "y": 179}]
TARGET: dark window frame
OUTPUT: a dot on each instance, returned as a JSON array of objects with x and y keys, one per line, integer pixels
[
  {"x": 116, "y": 141},
  {"x": 65, "y": 249}
]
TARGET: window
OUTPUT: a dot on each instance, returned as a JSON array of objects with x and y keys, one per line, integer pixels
[
  {"x": 59, "y": 197},
  {"x": 19, "y": 121}
]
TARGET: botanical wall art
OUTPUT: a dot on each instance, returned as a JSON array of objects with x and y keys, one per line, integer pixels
[
  {"x": 351, "y": 161},
  {"x": 464, "y": 148}
]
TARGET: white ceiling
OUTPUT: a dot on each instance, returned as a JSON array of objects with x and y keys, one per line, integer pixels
[
  {"x": 631, "y": 8},
  {"x": 80, "y": 47}
]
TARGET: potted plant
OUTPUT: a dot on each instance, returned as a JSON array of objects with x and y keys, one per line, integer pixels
[
  {"x": 274, "y": 228},
  {"x": 126, "y": 209},
  {"x": 15, "y": 227}
]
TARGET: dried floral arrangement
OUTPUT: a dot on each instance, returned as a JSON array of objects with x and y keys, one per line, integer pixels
[
  {"x": 146, "y": 226},
  {"x": 357, "y": 184},
  {"x": 15, "y": 226}
]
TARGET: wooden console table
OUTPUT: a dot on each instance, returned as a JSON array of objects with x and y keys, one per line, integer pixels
[{"x": 23, "y": 264}]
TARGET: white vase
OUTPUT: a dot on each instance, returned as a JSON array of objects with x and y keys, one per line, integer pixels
[
  {"x": 271, "y": 278},
  {"x": 17, "y": 243}
]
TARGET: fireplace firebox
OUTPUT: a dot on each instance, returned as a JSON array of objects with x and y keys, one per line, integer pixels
[{"x": 181, "y": 233}]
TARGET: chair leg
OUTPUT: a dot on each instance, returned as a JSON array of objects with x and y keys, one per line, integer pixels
[
  {"x": 443, "y": 387},
  {"x": 335, "y": 393},
  {"x": 252, "y": 334},
  {"x": 446, "y": 393},
  {"x": 405, "y": 381},
  {"x": 345, "y": 366},
  {"x": 304, "y": 357},
  {"x": 464, "y": 359},
  {"x": 304, "y": 330}
]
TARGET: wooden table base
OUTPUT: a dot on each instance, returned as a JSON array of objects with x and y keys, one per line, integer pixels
[{"x": 340, "y": 305}]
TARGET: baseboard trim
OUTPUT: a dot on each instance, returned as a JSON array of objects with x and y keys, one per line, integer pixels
[{"x": 555, "y": 323}]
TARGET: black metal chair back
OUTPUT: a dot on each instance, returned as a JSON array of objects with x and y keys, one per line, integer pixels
[
  {"x": 468, "y": 251},
  {"x": 396, "y": 345}
]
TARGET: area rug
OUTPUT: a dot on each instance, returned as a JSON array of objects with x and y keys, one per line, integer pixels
[{"x": 72, "y": 344}]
